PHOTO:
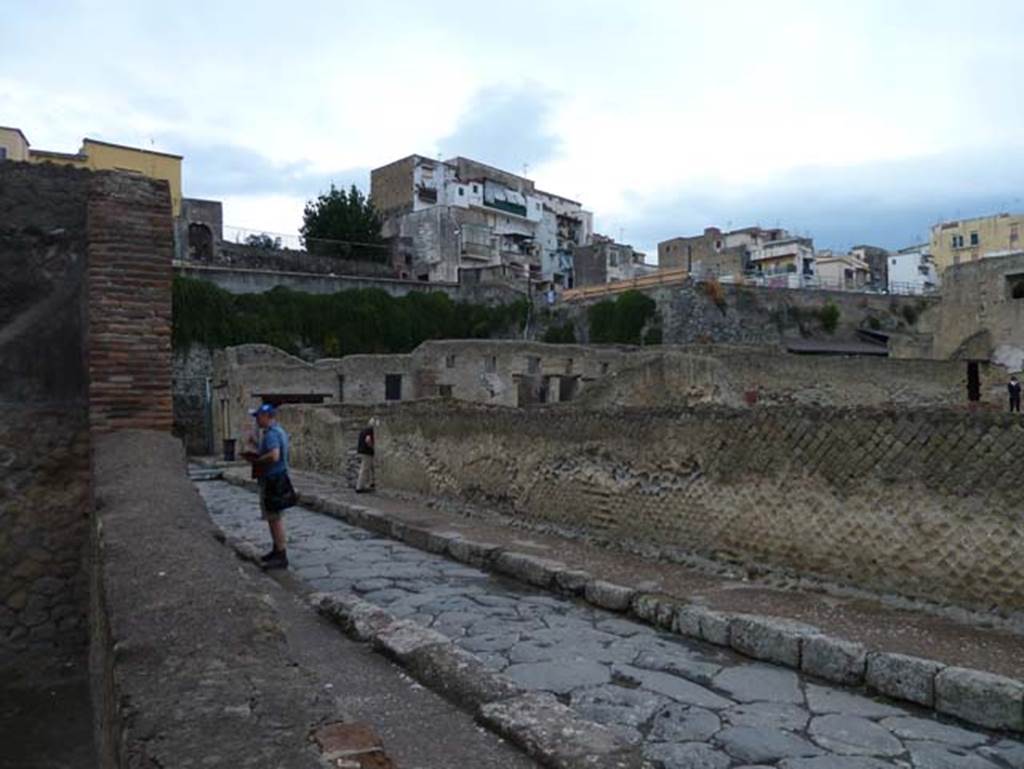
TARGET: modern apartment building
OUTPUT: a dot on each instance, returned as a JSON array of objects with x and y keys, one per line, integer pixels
[
  {"x": 966, "y": 240},
  {"x": 463, "y": 218}
]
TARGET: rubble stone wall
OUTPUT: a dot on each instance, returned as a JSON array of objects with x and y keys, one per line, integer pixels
[
  {"x": 924, "y": 503},
  {"x": 84, "y": 347}
]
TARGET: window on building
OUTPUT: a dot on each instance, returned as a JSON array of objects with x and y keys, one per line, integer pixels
[
  {"x": 958, "y": 241},
  {"x": 445, "y": 391},
  {"x": 392, "y": 387},
  {"x": 476, "y": 189},
  {"x": 532, "y": 364},
  {"x": 974, "y": 238},
  {"x": 462, "y": 191},
  {"x": 341, "y": 388},
  {"x": 449, "y": 361},
  {"x": 3, "y": 153},
  {"x": 568, "y": 365},
  {"x": 604, "y": 368},
  {"x": 490, "y": 364}
]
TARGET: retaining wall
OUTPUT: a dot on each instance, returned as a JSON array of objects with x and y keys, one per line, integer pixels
[{"x": 925, "y": 503}]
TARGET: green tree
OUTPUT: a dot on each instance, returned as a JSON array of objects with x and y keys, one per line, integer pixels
[
  {"x": 343, "y": 224},
  {"x": 263, "y": 240}
]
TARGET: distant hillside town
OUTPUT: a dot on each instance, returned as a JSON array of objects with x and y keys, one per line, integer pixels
[{"x": 460, "y": 221}]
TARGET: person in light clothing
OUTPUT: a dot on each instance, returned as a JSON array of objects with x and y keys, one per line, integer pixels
[{"x": 366, "y": 448}]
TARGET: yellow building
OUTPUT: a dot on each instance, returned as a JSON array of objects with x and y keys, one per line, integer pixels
[
  {"x": 966, "y": 240},
  {"x": 100, "y": 156}
]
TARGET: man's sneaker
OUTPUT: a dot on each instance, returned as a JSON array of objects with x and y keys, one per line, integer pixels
[
  {"x": 267, "y": 556},
  {"x": 276, "y": 561}
]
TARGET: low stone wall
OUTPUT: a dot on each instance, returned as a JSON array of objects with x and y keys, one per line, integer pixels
[
  {"x": 323, "y": 439},
  {"x": 189, "y": 663},
  {"x": 924, "y": 503}
]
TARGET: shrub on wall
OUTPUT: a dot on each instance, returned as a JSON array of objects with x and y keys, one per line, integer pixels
[
  {"x": 621, "y": 320},
  {"x": 830, "y": 317},
  {"x": 355, "y": 321},
  {"x": 560, "y": 334}
]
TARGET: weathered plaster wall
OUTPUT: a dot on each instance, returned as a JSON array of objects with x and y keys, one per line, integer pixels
[{"x": 919, "y": 502}]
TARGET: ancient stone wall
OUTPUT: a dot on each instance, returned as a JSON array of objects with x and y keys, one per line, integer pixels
[
  {"x": 44, "y": 429},
  {"x": 85, "y": 260},
  {"x": 192, "y": 376},
  {"x": 924, "y": 503},
  {"x": 689, "y": 314}
]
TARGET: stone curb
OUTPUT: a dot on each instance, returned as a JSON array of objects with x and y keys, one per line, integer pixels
[
  {"x": 973, "y": 696},
  {"x": 535, "y": 721}
]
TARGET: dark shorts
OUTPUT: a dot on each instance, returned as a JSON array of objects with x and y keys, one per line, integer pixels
[{"x": 266, "y": 513}]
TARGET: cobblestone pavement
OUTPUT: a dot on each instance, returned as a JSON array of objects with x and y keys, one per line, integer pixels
[{"x": 691, "y": 705}]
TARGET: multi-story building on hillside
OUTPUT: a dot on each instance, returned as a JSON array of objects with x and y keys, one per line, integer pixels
[
  {"x": 605, "y": 261},
  {"x": 769, "y": 254},
  {"x": 966, "y": 240},
  {"x": 912, "y": 271},
  {"x": 462, "y": 219}
]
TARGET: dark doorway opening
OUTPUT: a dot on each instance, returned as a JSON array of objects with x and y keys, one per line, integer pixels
[{"x": 973, "y": 382}]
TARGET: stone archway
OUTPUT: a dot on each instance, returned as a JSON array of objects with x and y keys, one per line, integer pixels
[{"x": 200, "y": 242}]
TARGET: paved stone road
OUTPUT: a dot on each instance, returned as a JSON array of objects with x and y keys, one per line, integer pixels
[{"x": 693, "y": 706}]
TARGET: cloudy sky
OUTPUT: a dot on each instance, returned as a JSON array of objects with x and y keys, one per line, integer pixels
[{"x": 854, "y": 122}]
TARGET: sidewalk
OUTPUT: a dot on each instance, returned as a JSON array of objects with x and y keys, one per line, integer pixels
[{"x": 861, "y": 618}]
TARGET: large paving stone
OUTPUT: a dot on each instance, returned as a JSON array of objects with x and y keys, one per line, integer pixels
[
  {"x": 559, "y": 677},
  {"x": 686, "y": 756},
  {"x": 1010, "y": 752},
  {"x": 683, "y": 723},
  {"x": 934, "y": 755},
  {"x": 549, "y": 730},
  {"x": 824, "y": 699},
  {"x": 759, "y": 683},
  {"x": 776, "y": 715},
  {"x": 676, "y": 688},
  {"x": 854, "y": 736},
  {"x": 615, "y": 705},
  {"x": 981, "y": 698},
  {"x": 836, "y": 762},
  {"x": 834, "y": 659},
  {"x": 678, "y": 664},
  {"x": 760, "y": 744},
  {"x": 925, "y": 729},
  {"x": 903, "y": 677}
]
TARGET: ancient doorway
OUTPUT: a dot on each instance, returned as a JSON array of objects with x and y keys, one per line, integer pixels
[
  {"x": 200, "y": 242},
  {"x": 973, "y": 382}
]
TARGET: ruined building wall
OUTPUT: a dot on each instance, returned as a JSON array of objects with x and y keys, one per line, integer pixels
[
  {"x": 44, "y": 425},
  {"x": 919, "y": 502},
  {"x": 85, "y": 260}
]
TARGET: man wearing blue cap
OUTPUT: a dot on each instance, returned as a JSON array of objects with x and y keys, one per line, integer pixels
[{"x": 270, "y": 466}]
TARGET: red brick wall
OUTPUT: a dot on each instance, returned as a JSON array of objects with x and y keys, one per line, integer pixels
[{"x": 131, "y": 246}]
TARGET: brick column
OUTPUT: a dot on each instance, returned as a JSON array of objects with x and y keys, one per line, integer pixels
[{"x": 130, "y": 249}]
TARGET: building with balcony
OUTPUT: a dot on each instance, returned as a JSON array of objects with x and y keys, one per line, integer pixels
[
  {"x": 460, "y": 217},
  {"x": 967, "y": 240},
  {"x": 723, "y": 255}
]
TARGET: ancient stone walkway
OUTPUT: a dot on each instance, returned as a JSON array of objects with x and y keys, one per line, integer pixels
[{"x": 691, "y": 706}]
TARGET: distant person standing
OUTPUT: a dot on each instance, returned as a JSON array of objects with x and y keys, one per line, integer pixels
[
  {"x": 366, "y": 448},
  {"x": 1014, "y": 389},
  {"x": 270, "y": 466}
]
